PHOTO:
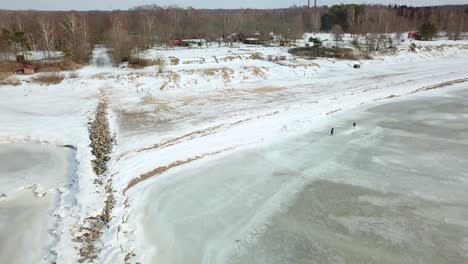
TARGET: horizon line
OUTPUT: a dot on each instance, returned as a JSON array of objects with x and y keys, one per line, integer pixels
[{"x": 190, "y": 7}]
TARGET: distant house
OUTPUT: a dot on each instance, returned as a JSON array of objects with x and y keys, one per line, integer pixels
[
  {"x": 415, "y": 35},
  {"x": 189, "y": 43},
  {"x": 285, "y": 43},
  {"x": 277, "y": 57},
  {"x": 236, "y": 37},
  {"x": 194, "y": 42},
  {"x": 29, "y": 68},
  {"x": 252, "y": 41},
  {"x": 176, "y": 43},
  {"x": 24, "y": 68}
]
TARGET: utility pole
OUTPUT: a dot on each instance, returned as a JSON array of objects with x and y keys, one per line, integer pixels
[
  {"x": 312, "y": 24},
  {"x": 315, "y": 17},
  {"x": 308, "y": 27}
]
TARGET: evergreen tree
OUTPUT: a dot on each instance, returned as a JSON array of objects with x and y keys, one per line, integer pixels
[{"x": 428, "y": 31}]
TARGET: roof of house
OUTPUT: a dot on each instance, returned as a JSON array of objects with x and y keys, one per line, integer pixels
[{"x": 194, "y": 40}]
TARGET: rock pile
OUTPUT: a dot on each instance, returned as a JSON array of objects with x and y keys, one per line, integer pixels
[
  {"x": 101, "y": 139},
  {"x": 94, "y": 228},
  {"x": 101, "y": 144}
]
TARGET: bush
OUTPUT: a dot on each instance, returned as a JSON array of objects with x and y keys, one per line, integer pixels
[
  {"x": 355, "y": 43},
  {"x": 372, "y": 42},
  {"x": 56, "y": 66},
  {"x": 10, "y": 67},
  {"x": 4, "y": 75},
  {"x": 73, "y": 75},
  {"x": 160, "y": 63},
  {"x": 338, "y": 32},
  {"x": 140, "y": 63},
  {"x": 175, "y": 61},
  {"x": 428, "y": 31},
  {"x": 9, "y": 80},
  {"x": 390, "y": 42},
  {"x": 256, "y": 56},
  {"x": 121, "y": 45},
  {"x": 148, "y": 99},
  {"x": 317, "y": 42},
  {"x": 49, "y": 78}
]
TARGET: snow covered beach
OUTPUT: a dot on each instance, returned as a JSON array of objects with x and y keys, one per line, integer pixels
[{"x": 203, "y": 138}]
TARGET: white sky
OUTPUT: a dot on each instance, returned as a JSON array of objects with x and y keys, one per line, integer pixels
[{"x": 125, "y": 4}]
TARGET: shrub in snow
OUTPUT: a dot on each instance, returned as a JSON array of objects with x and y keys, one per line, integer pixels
[
  {"x": 317, "y": 42},
  {"x": 160, "y": 63},
  {"x": 355, "y": 43},
  {"x": 49, "y": 78},
  {"x": 175, "y": 61},
  {"x": 11, "y": 80},
  {"x": 73, "y": 75},
  {"x": 338, "y": 32},
  {"x": 256, "y": 56}
]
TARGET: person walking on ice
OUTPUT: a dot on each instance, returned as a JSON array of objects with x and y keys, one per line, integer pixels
[
  {"x": 332, "y": 131},
  {"x": 354, "y": 125}
]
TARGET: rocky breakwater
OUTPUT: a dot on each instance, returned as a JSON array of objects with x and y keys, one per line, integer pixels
[{"x": 102, "y": 142}]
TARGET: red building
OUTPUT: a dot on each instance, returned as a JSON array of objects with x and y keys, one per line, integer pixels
[{"x": 415, "y": 35}]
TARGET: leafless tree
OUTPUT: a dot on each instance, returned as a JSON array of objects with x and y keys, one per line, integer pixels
[
  {"x": 20, "y": 24},
  {"x": 119, "y": 39},
  {"x": 47, "y": 33},
  {"x": 338, "y": 32},
  {"x": 76, "y": 39},
  {"x": 149, "y": 22}
]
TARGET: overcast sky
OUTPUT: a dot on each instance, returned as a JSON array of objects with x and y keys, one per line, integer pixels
[{"x": 125, "y": 4}]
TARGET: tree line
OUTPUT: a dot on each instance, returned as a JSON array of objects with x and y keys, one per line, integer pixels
[{"x": 129, "y": 31}]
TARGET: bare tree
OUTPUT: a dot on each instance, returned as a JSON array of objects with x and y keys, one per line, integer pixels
[
  {"x": 47, "y": 33},
  {"x": 149, "y": 22},
  {"x": 20, "y": 24},
  {"x": 337, "y": 31},
  {"x": 462, "y": 20},
  {"x": 76, "y": 39},
  {"x": 119, "y": 39}
]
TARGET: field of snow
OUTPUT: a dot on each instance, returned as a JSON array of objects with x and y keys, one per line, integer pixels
[{"x": 218, "y": 138}]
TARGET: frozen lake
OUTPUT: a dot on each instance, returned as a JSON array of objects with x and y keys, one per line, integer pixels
[
  {"x": 27, "y": 172},
  {"x": 393, "y": 190}
]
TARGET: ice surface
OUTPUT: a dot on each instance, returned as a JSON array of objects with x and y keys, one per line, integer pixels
[
  {"x": 393, "y": 190},
  {"x": 25, "y": 164},
  {"x": 23, "y": 228},
  {"x": 27, "y": 172}
]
